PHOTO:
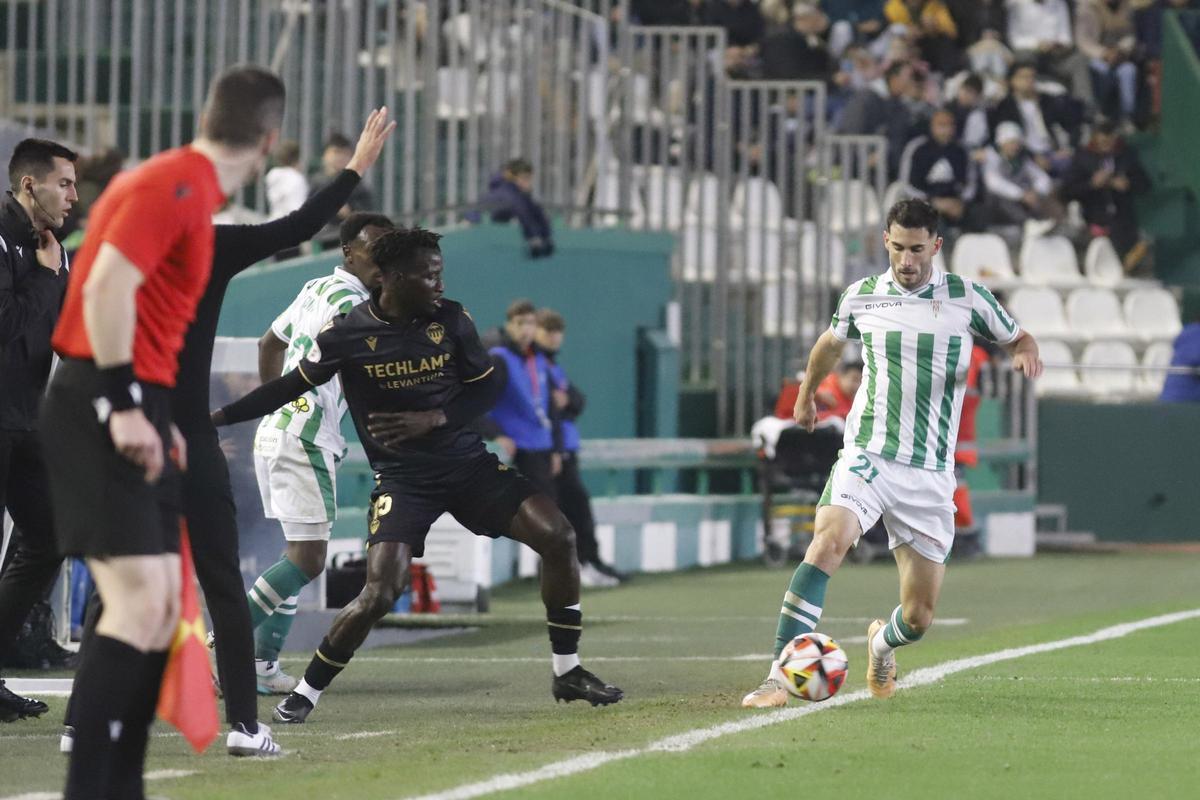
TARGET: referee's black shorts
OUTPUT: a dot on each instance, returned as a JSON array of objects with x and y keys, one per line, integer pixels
[
  {"x": 102, "y": 503},
  {"x": 481, "y": 493}
]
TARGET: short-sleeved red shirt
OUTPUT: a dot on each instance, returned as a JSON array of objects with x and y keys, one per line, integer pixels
[{"x": 159, "y": 215}]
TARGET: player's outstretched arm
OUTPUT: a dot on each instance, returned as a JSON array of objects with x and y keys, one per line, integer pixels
[
  {"x": 821, "y": 361},
  {"x": 264, "y": 399}
]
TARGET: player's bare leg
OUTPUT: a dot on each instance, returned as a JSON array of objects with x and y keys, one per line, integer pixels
[
  {"x": 387, "y": 575},
  {"x": 920, "y": 585},
  {"x": 540, "y": 525},
  {"x": 836, "y": 531}
]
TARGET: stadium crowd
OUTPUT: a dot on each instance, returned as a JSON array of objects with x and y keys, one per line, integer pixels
[{"x": 1005, "y": 113}]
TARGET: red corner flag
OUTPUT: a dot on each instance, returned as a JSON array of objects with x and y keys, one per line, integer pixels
[{"x": 187, "y": 699}]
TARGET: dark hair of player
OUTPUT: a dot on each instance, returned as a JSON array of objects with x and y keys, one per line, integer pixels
[
  {"x": 395, "y": 250},
  {"x": 35, "y": 157},
  {"x": 352, "y": 225},
  {"x": 520, "y": 308},
  {"x": 913, "y": 214},
  {"x": 973, "y": 82},
  {"x": 245, "y": 103},
  {"x": 551, "y": 321}
]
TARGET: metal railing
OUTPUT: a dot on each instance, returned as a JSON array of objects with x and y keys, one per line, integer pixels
[{"x": 625, "y": 125}]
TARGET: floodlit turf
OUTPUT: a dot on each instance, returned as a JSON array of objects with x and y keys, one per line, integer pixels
[{"x": 1106, "y": 720}]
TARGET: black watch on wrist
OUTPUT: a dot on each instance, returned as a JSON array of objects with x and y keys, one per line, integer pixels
[{"x": 119, "y": 391}]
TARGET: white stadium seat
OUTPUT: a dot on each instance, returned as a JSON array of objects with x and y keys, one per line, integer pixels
[
  {"x": 702, "y": 197},
  {"x": 664, "y": 198},
  {"x": 853, "y": 206},
  {"x": 758, "y": 201},
  {"x": 1102, "y": 265},
  {"x": 1039, "y": 311},
  {"x": 608, "y": 195},
  {"x": 1049, "y": 261},
  {"x": 1095, "y": 313},
  {"x": 1152, "y": 314},
  {"x": 1058, "y": 380},
  {"x": 983, "y": 257},
  {"x": 1109, "y": 383},
  {"x": 1158, "y": 354}
]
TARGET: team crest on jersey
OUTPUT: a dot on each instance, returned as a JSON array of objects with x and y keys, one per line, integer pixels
[
  {"x": 936, "y": 305},
  {"x": 372, "y": 341},
  {"x": 436, "y": 332}
]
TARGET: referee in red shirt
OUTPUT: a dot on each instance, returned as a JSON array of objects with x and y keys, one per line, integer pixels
[{"x": 144, "y": 264}]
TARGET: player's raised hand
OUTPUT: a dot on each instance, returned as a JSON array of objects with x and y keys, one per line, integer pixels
[
  {"x": 805, "y": 413},
  {"x": 391, "y": 428},
  {"x": 370, "y": 141},
  {"x": 137, "y": 440}
]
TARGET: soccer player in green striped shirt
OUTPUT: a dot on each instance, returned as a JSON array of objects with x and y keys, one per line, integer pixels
[
  {"x": 916, "y": 325},
  {"x": 297, "y": 448}
]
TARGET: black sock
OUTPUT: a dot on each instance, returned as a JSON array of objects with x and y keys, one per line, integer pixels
[
  {"x": 104, "y": 687},
  {"x": 326, "y": 663},
  {"x": 565, "y": 626},
  {"x": 129, "y": 753}
]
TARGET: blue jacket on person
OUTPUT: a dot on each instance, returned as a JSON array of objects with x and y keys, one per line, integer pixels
[
  {"x": 568, "y": 430},
  {"x": 505, "y": 201},
  {"x": 523, "y": 410},
  {"x": 1184, "y": 388}
]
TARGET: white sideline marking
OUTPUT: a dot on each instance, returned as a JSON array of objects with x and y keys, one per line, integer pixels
[
  {"x": 364, "y": 735},
  {"x": 168, "y": 774},
  {"x": 686, "y": 741},
  {"x": 1083, "y": 679}
]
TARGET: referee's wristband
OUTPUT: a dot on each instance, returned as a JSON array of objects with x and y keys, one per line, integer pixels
[{"x": 119, "y": 391}]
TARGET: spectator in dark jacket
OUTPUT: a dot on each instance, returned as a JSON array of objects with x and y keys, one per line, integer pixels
[
  {"x": 798, "y": 52},
  {"x": 1051, "y": 125},
  {"x": 936, "y": 167},
  {"x": 510, "y": 196},
  {"x": 1105, "y": 177},
  {"x": 334, "y": 158},
  {"x": 872, "y": 112},
  {"x": 853, "y": 21}
]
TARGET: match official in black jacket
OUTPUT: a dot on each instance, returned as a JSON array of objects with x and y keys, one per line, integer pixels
[{"x": 33, "y": 280}]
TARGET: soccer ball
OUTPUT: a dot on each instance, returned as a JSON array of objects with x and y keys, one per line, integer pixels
[{"x": 813, "y": 666}]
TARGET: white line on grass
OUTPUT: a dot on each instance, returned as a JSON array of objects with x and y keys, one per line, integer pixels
[
  {"x": 363, "y": 735},
  {"x": 686, "y": 741},
  {"x": 468, "y": 619}
]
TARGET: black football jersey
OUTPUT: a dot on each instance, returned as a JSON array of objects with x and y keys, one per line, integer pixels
[{"x": 387, "y": 366}]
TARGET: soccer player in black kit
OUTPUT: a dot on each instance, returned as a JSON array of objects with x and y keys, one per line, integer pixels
[{"x": 414, "y": 374}]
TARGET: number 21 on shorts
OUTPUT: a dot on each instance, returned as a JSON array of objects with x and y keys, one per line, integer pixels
[{"x": 860, "y": 468}]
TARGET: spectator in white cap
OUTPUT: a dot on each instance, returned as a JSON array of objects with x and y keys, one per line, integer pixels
[{"x": 1019, "y": 192}]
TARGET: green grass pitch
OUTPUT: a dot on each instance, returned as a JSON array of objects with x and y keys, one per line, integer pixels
[{"x": 1113, "y": 719}]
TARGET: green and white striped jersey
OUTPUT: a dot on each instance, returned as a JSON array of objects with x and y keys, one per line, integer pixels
[
  {"x": 316, "y": 416},
  {"x": 916, "y": 350}
]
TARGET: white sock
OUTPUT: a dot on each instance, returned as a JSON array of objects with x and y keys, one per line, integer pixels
[
  {"x": 264, "y": 668},
  {"x": 879, "y": 645},
  {"x": 309, "y": 692},
  {"x": 562, "y": 664},
  {"x": 773, "y": 672}
]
